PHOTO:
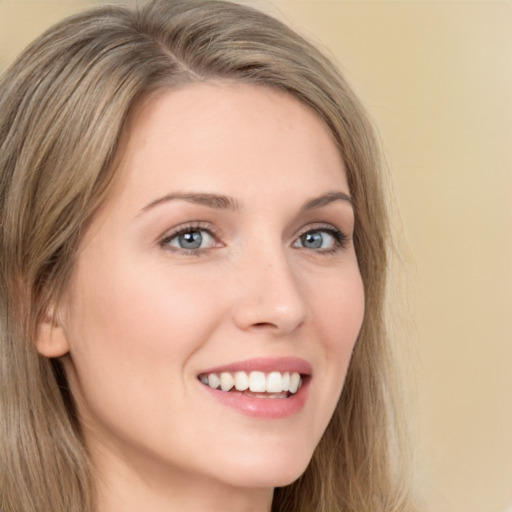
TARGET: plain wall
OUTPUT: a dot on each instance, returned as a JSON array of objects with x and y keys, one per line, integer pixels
[{"x": 437, "y": 78}]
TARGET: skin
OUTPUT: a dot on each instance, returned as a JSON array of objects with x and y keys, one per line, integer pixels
[{"x": 141, "y": 318}]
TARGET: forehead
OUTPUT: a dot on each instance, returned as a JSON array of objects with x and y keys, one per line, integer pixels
[{"x": 228, "y": 136}]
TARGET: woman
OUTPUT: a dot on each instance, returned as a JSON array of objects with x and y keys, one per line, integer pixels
[{"x": 194, "y": 243}]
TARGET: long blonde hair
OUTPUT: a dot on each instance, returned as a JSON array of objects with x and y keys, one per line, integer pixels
[{"x": 63, "y": 106}]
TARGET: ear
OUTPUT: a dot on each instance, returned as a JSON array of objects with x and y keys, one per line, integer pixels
[{"x": 51, "y": 340}]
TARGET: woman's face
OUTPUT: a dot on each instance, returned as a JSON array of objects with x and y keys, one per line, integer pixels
[{"x": 224, "y": 253}]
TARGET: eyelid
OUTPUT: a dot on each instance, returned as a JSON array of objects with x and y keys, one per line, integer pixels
[
  {"x": 340, "y": 236},
  {"x": 170, "y": 234}
]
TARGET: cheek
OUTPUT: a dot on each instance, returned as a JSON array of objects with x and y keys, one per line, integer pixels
[
  {"x": 339, "y": 310},
  {"x": 133, "y": 336},
  {"x": 134, "y": 332}
]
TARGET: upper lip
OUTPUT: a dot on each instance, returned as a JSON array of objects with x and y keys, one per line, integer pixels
[{"x": 265, "y": 364}]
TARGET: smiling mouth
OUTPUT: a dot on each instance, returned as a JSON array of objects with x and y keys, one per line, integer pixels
[{"x": 255, "y": 384}]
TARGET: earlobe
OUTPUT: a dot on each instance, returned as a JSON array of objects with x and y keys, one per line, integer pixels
[{"x": 51, "y": 340}]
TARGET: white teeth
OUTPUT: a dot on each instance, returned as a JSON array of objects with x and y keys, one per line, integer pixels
[
  {"x": 254, "y": 382},
  {"x": 213, "y": 380},
  {"x": 285, "y": 381},
  {"x": 294, "y": 382},
  {"x": 274, "y": 383},
  {"x": 257, "y": 382},
  {"x": 226, "y": 381},
  {"x": 241, "y": 381}
]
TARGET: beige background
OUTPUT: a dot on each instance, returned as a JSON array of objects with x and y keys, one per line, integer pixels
[{"x": 437, "y": 77}]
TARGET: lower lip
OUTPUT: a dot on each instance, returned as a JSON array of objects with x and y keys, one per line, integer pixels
[{"x": 268, "y": 408}]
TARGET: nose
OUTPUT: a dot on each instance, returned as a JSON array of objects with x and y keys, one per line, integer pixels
[{"x": 269, "y": 295}]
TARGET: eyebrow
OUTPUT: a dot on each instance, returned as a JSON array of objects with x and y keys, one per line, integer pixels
[
  {"x": 325, "y": 199},
  {"x": 219, "y": 202},
  {"x": 222, "y": 202}
]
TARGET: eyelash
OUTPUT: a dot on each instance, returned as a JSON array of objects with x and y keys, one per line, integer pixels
[
  {"x": 340, "y": 238},
  {"x": 189, "y": 228}
]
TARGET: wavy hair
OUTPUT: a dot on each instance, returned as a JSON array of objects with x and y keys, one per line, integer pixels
[{"x": 64, "y": 105}]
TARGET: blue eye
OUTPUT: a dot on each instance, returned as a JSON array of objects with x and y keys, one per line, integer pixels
[
  {"x": 190, "y": 239},
  {"x": 321, "y": 239},
  {"x": 313, "y": 240}
]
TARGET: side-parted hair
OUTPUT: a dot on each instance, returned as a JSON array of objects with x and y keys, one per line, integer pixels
[{"x": 64, "y": 106}]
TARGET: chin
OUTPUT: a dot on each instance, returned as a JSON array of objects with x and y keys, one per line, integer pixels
[
  {"x": 274, "y": 470},
  {"x": 268, "y": 480}
]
